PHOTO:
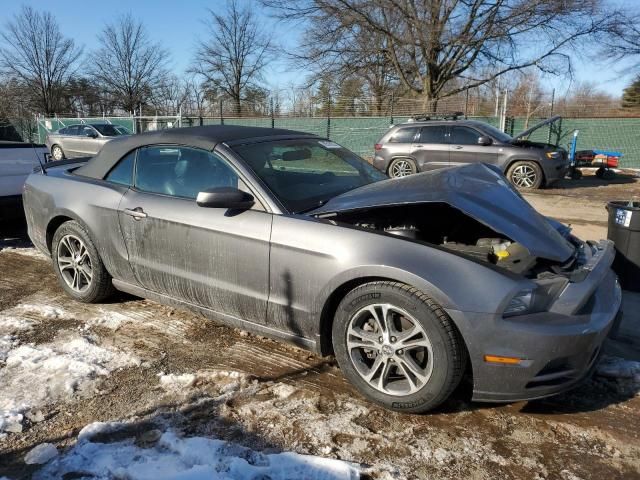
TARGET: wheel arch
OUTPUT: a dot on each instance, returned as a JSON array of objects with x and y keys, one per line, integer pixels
[
  {"x": 57, "y": 220},
  {"x": 54, "y": 145},
  {"x": 330, "y": 301},
  {"x": 402, "y": 157},
  {"x": 521, "y": 159}
]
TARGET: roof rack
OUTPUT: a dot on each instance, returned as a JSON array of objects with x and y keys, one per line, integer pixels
[{"x": 425, "y": 117}]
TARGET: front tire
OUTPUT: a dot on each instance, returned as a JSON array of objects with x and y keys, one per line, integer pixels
[
  {"x": 402, "y": 167},
  {"x": 78, "y": 266},
  {"x": 397, "y": 346},
  {"x": 57, "y": 153},
  {"x": 526, "y": 175}
]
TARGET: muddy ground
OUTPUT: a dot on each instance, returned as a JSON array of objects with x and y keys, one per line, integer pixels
[{"x": 288, "y": 399}]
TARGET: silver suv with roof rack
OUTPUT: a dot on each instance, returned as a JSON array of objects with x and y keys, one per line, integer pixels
[{"x": 427, "y": 143}]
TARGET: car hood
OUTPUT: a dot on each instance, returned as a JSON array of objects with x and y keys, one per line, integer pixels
[
  {"x": 478, "y": 190},
  {"x": 530, "y": 130}
]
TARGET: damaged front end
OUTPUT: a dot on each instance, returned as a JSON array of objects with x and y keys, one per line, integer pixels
[
  {"x": 439, "y": 224},
  {"x": 471, "y": 211}
]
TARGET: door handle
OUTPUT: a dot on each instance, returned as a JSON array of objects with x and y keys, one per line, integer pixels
[
  {"x": 458, "y": 147},
  {"x": 136, "y": 213},
  {"x": 419, "y": 146}
]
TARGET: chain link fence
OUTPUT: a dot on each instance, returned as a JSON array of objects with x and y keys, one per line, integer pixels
[{"x": 357, "y": 123}]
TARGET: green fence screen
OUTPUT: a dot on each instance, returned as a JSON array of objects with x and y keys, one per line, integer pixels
[{"x": 361, "y": 133}]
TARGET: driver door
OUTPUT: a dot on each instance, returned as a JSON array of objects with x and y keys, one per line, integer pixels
[{"x": 209, "y": 257}]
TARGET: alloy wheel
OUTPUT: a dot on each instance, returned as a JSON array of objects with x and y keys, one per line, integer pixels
[
  {"x": 389, "y": 349},
  {"x": 401, "y": 168},
  {"x": 57, "y": 153},
  {"x": 524, "y": 176},
  {"x": 74, "y": 263}
]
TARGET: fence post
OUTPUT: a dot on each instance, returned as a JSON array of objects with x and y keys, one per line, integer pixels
[
  {"x": 466, "y": 103},
  {"x": 392, "y": 103},
  {"x": 221, "y": 117},
  {"x": 273, "y": 120},
  {"x": 553, "y": 99},
  {"x": 329, "y": 116}
]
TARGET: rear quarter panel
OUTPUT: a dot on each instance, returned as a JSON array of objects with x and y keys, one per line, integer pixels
[{"x": 92, "y": 203}]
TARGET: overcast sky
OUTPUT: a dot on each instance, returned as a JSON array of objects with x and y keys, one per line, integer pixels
[{"x": 177, "y": 24}]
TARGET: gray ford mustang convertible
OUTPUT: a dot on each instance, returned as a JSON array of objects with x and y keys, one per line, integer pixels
[{"x": 409, "y": 282}]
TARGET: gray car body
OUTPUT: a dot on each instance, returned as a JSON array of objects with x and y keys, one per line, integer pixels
[
  {"x": 78, "y": 145},
  {"x": 430, "y": 156},
  {"x": 282, "y": 274}
]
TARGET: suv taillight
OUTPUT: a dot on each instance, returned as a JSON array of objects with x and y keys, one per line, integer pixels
[{"x": 378, "y": 146}]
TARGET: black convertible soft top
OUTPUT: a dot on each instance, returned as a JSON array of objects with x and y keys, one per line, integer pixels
[{"x": 206, "y": 137}]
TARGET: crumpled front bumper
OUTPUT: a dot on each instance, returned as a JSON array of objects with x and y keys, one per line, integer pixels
[{"x": 558, "y": 348}]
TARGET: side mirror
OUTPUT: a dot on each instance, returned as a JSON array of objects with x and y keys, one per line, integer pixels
[
  {"x": 486, "y": 141},
  {"x": 91, "y": 134},
  {"x": 225, "y": 197}
]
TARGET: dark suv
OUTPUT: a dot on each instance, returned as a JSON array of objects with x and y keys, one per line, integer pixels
[{"x": 420, "y": 146}]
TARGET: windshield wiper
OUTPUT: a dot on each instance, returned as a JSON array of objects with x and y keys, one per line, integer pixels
[{"x": 317, "y": 205}]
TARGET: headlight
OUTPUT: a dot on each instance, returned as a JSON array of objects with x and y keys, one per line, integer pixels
[
  {"x": 537, "y": 299},
  {"x": 520, "y": 304},
  {"x": 553, "y": 155}
]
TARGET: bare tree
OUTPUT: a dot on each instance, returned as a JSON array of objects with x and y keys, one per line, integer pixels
[
  {"x": 128, "y": 65},
  {"x": 170, "y": 95},
  {"x": 622, "y": 41},
  {"x": 432, "y": 42},
  {"x": 39, "y": 57},
  {"x": 234, "y": 53},
  {"x": 527, "y": 97}
]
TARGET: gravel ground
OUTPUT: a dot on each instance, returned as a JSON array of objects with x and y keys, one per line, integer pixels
[{"x": 154, "y": 368}]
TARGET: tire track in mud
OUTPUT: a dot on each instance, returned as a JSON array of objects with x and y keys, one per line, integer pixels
[{"x": 22, "y": 276}]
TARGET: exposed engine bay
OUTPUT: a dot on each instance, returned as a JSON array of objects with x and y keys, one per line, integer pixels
[{"x": 442, "y": 225}]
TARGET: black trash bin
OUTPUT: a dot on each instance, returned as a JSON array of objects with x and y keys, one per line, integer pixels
[{"x": 624, "y": 230}]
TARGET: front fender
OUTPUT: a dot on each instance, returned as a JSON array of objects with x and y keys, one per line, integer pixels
[{"x": 311, "y": 259}]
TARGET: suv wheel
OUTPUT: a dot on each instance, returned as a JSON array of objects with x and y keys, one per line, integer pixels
[
  {"x": 525, "y": 175},
  {"x": 401, "y": 167},
  {"x": 397, "y": 347}
]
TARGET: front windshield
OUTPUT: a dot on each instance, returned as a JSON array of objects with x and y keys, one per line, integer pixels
[
  {"x": 306, "y": 173},
  {"x": 497, "y": 133},
  {"x": 109, "y": 130}
]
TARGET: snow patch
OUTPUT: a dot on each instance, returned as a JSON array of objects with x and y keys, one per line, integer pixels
[
  {"x": 46, "y": 311},
  {"x": 225, "y": 381},
  {"x": 7, "y": 343},
  {"x": 110, "y": 320},
  {"x": 27, "y": 252},
  {"x": 191, "y": 458},
  {"x": 38, "y": 375},
  {"x": 41, "y": 454}
]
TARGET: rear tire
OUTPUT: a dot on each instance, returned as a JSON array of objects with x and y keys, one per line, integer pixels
[
  {"x": 57, "y": 153},
  {"x": 397, "y": 346},
  {"x": 78, "y": 266},
  {"x": 402, "y": 167},
  {"x": 525, "y": 175}
]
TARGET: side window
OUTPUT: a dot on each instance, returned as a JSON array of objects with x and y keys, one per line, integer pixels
[
  {"x": 434, "y": 134},
  {"x": 86, "y": 131},
  {"x": 122, "y": 173},
  {"x": 181, "y": 171},
  {"x": 464, "y": 136},
  {"x": 404, "y": 135}
]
